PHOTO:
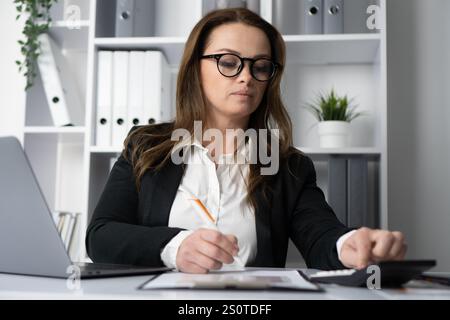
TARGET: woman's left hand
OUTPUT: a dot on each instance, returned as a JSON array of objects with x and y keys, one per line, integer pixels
[{"x": 368, "y": 246}]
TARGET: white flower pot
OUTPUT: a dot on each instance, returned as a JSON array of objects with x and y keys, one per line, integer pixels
[{"x": 334, "y": 134}]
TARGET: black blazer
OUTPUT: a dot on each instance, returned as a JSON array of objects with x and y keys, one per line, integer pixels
[{"x": 130, "y": 226}]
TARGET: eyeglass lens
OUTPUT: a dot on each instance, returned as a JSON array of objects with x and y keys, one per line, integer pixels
[{"x": 230, "y": 65}]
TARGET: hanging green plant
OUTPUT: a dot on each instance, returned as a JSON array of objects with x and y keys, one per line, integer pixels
[{"x": 38, "y": 22}]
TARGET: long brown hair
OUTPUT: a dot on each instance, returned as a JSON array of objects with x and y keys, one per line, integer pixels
[{"x": 151, "y": 145}]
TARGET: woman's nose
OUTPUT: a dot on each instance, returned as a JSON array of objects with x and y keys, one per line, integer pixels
[{"x": 245, "y": 74}]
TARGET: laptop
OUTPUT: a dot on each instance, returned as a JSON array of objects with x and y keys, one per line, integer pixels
[{"x": 29, "y": 241}]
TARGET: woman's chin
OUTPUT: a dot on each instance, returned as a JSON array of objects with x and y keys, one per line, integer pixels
[
  {"x": 242, "y": 110},
  {"x": 238, "y": 114}
]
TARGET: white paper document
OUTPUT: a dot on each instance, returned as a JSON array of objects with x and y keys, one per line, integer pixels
[{"x": 250, "y": 280}]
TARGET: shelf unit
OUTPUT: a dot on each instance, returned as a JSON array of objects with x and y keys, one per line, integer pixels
[{"x": 72, "y": 171}]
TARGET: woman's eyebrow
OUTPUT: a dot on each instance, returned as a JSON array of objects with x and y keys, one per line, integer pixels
[{"x": 239, "y": 54}]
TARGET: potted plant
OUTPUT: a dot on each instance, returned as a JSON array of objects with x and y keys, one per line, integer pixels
[{"x": 334, "y": 114}]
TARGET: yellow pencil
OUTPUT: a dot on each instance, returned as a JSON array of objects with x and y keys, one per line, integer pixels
[
  {"x": 210, "y": 218},
  {"x": 205, "y": 210}
]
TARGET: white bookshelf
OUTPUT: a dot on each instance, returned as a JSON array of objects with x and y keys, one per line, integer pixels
[
  {"x": 69, "y": 24},
  {"x": 50, "y": 129},
  {"x": 72, "y": 170}
]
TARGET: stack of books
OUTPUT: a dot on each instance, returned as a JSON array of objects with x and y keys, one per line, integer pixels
[{"x": 66, "y": 224}]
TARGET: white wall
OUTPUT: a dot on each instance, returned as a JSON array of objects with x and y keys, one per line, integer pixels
[
  {"x": 12, "y": 83},
  {"x": 418, "y": 125}
]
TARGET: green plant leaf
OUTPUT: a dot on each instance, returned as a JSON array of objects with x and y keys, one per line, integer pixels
[
  {"x": 331, "y": 107},
  {"x": 37, "y": 22}
]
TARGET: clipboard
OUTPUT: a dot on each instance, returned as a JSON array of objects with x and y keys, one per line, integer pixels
[{"x": 264, "y": 279}]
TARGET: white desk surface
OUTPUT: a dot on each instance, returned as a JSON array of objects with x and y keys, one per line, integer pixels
[{"x": 29, "y": 287}]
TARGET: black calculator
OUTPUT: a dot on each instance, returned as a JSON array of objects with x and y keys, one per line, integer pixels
[{"x": 392, "y": 273}]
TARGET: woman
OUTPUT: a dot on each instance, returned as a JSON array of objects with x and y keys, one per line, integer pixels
[{"x": 229, "y": 78}]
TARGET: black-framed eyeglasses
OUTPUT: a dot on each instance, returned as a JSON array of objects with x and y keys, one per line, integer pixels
[{"x": 230, "y": 65}]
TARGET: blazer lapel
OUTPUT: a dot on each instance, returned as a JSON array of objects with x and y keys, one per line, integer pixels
[
  {"x": 264, "y": 255},
  {"x": 166, "y": 185}
]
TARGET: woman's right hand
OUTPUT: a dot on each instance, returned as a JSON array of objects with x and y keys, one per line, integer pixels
[{"x": 204, "y": 250}]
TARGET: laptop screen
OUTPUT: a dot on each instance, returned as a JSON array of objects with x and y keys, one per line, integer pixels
[{"x": 29, "y": 240}]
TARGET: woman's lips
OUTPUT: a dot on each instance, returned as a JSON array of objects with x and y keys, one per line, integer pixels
[{"x": 242, "y": 94}]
